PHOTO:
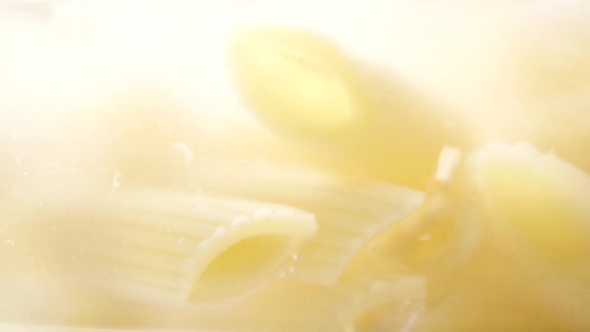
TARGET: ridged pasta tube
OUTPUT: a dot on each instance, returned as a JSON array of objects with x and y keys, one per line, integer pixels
[
  {"x": 349, "y": 212},
  {"x": 183, "y": 247}
]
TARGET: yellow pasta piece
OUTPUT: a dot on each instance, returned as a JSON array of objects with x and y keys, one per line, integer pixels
[
  {"x": 513, "y": 220},
  {"x": 349, "y": 212},
  {"x": 538, "y": 207},
  {"x": 436, "y": 240},
  {"x": 288, "y": 75},
  {"x": 180, "y": 247},
  {"x": 535, "y": 201},
  {"x": 324, "y": 97}
]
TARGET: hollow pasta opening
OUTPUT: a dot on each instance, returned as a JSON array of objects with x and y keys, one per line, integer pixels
[
  {"x": 322, "y": 97},
  {"x": 242, "y": 265}
]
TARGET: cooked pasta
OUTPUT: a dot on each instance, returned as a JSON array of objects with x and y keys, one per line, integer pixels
[
  {"x": 326, "y": 99},
  {"x": 538, "y": 207},
  {"x": 552, "y": 211},
  {"x": 181, "y": 247},
  {"x": 161, "y": 169},
  {"x": 349, "y": 212},
  {"x": 511, "y": 221},
  {"x": 371, "y": 119}
]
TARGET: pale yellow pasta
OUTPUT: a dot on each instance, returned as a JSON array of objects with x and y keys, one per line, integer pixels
[
  {"x": 514, "y": 180},
  {"x": 159, "y": 246},
  {"x": 538, "y": 207},
  {"x": 349, "y": 212},
  {"x": 325, "y": 99},
  {"x": 342, "y": 108}
]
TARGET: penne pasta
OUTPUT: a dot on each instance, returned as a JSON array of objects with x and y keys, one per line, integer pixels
[
  {"x": 341, "y": 107},
  {"x": 177, "y": 247},
  {"x": 552, "y": 210},
  {"x": 349, "y": 212},
  {"x": 326, "y": 99}
]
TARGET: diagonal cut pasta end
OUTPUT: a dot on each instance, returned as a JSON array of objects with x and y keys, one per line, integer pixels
[
  {"x": 298, "y": 81},
  {"x": 252, "y": 249},
  {"x": 349, "y": 212},
  {"x": 163, "y": 247},
  {"x": 535, "y": 201}
]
